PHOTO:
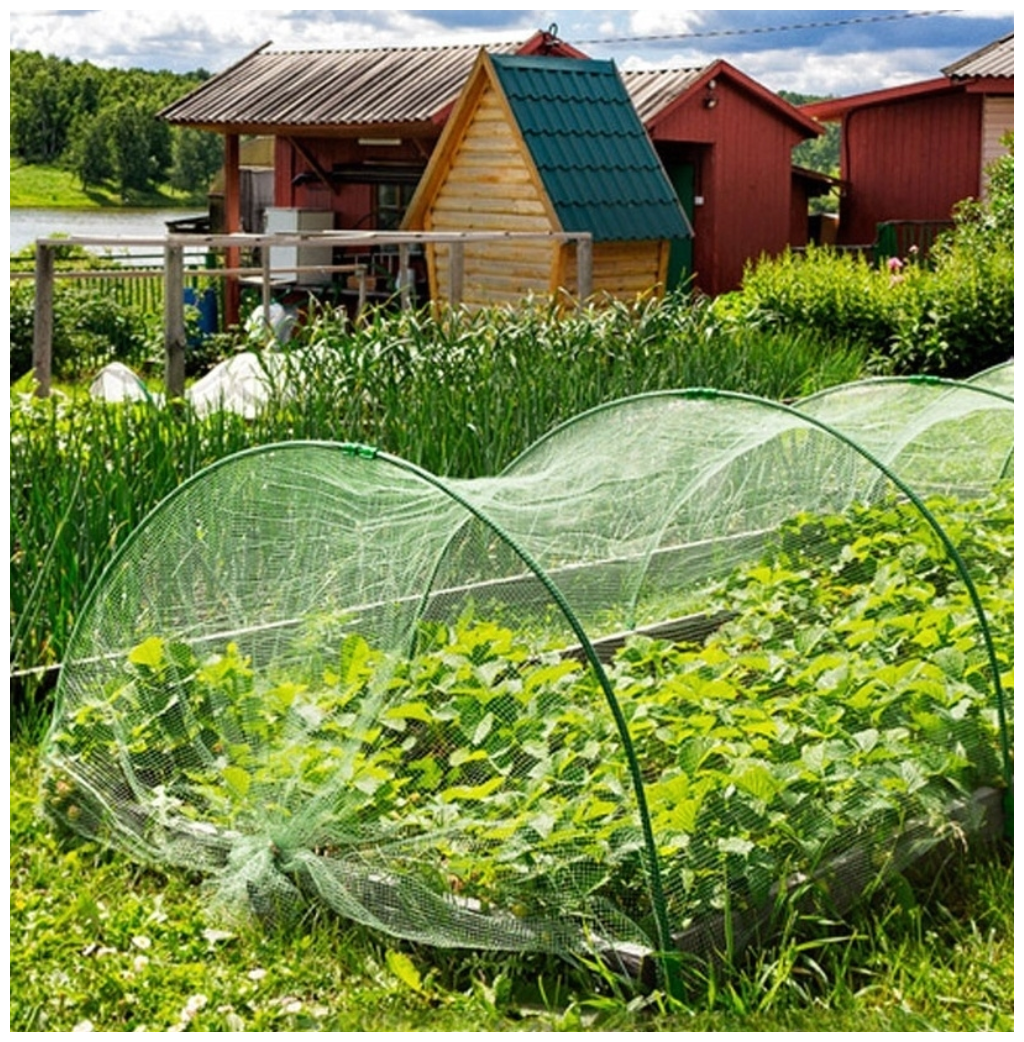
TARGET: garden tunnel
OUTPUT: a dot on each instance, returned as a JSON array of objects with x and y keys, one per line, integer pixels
[{"x": 690, "y": 653}]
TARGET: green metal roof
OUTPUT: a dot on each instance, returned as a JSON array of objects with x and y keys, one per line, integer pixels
[{"x": 597, "y": 163}]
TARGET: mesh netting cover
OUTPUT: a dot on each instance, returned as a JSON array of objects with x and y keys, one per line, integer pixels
[{"x": 690, "y": 653}]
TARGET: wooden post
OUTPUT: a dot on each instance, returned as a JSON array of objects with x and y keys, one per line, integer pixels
[
  {"x": 42, "y": 330},
  {"x": 265, "y": 299},
  {"x": 585, "y": 267},
  {"x": 456, "y": 272},
  {"x": 174, "y": 320},
  {"x": 232, "y": 224},
  {"x": 361, "y": 305}
]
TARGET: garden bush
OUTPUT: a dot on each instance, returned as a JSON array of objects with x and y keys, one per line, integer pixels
[
  {"x": 957, "y": 318},
  {"x": 90, "y": 329},
  {"x": 951, "y": 314},
  {"x": 836, "y": 295}
]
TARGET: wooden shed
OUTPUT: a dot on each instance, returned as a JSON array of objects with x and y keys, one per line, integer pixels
[
  {"x": 727, "y": 144},
  {"x": 547, "y": 146},
  {"x": 911, "y": 153}
]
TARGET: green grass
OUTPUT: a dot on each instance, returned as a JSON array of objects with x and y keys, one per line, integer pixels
[
  {"x": 98, "y": 940},
  {"x": 53, "y": 187}
]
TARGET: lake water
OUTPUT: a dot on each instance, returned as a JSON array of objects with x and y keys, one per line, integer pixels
[{"x": 27, "y": 225}]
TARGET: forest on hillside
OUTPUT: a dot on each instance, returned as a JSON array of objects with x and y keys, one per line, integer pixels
[{"x": 101, "y": 125}]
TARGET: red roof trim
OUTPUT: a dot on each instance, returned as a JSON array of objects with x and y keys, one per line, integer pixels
[
  {"x": 542, "y": 42},
  {"x": 836, "y": 108},
  {"x": 767, "y": 98}
]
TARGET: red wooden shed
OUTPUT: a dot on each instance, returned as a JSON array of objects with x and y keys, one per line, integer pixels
[
  {"x": 911, "y": 153},
  {"x": 727, "y": 143}
]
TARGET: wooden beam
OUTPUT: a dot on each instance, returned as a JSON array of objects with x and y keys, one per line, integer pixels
[
  {"x": 42, "y": 330},
  {"x": 174, "y": 320},
  {"x": 321, "y": 174}
]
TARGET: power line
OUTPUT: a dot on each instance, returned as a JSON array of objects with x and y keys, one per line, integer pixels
[{"x": 762, "y": 30}]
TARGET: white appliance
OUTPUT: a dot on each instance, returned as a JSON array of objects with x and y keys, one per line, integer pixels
[{"x": 285, "y": 260}]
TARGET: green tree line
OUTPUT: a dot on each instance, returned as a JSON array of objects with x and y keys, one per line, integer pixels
[{"x": 101, "y": 124}]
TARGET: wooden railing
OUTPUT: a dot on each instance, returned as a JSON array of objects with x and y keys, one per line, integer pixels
[{"x": 172, "y": 276}]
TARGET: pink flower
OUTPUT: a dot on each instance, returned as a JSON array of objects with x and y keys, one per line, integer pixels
[{"x": 895, "y": 264}]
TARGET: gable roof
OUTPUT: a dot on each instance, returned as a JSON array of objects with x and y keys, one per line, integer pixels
[
  {"x": 589, "y": 148},
  {"x": 988, "y": 70},
  {"x": 657, "y": 93},
  {"x": 994, "y": 59},
  {"x": 339, "y": 90}
]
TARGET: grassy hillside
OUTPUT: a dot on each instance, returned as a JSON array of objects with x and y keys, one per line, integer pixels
[{"x": 54, "y": 187}]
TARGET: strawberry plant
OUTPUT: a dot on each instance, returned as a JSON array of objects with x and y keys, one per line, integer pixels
[{"x": 478, "y": 791}]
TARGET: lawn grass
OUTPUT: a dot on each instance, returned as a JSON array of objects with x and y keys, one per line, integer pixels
[
  {"x": 100, "y": 943},
  {"x": 52, "y": 187}
]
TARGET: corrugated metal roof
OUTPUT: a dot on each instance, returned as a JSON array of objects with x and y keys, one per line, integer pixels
[
  {"x": 653, "y": 90},
  {"x": 995, "y": 59},
  {"x": 384, "y": 85},
  {"x": 593, "y": 155}
]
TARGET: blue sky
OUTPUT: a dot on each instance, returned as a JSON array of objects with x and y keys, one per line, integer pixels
[{"x": 822, "y": 52}]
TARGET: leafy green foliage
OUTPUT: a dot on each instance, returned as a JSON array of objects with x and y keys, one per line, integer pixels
[
  {"x": 101, "y": 123},
  {"x": 958, "y": 318},
  {"x": 935, "y": 954},
  {"x": 988, "y": 223},
  {"x": 952, "y": 316},
  {"x": 848, "y": 697},
  {"x": 841, "y": 296},
  {"x": 89, "y": 330},
  {"x": 197, "y": 158}
]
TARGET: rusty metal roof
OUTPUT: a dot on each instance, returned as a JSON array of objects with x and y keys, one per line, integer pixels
[
  {"x": 653, "y": 90},
  {"x": 350, "y": 88},
  {"x": 995, "y": 59}
]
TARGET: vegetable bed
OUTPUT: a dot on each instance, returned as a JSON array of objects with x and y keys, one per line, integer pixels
[{"x": 479, "y": 787}]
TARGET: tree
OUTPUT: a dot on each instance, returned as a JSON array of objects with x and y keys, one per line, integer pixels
[
  {"x": 129, "y": 146},
  {"x": 88, "y": 154},
  {"x": 198, "y": 156},
  {"x": 41, "y": 109}
]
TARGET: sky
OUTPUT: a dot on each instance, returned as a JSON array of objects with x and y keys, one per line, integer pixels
[{"x": 828, "y": 52}]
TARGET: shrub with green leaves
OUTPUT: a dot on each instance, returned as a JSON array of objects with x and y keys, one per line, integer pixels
[
  {"x": 957, "y": 318},
  {"x": 90, "y": 329},
  {"x": 839, "y": 296},
  {"x": 953, "y": 317}
]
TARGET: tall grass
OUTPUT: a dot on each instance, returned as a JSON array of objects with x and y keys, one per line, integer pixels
[
  {"x": 460, "y": 394},
  {"x": 464, "y": 393}
]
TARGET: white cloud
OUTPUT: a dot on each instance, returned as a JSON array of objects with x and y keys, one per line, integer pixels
[
  {"x": 972, "y": 13},
  {"x": 667, "y": 21},
  {"x": 820, "y": 74},
  {"x": 187, "y": 38}
]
